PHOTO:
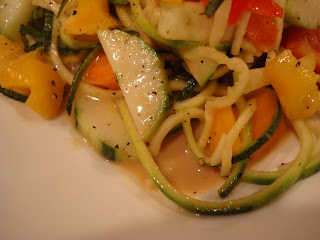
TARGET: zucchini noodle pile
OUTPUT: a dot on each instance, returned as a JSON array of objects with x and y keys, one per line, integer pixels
[{"x": 237, "y": 68}]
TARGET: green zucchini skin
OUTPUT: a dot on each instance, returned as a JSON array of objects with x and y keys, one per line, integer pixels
[
  {"x": 266, "y": 178},
  {"x": 13, "y": 95},
  {"x": 233, "y": 178},
  {"x": 119, "y": 2},
  {"x": 227, "y": 207},
  {"x": 187, "y": 90},
  {"x": 47, "y": 30},
  {"x": 258, "y": 143},
  {"x": 78, "y": 76},
  {"x": 63, "y": 4},
  {"x": 108, "y": 152}
]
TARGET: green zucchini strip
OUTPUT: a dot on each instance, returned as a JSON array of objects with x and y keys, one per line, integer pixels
[
  {"x": 233, "y": 178},
  {"x": 212, "y": 7},
  {"x": 30, "y": 31},
  {"x": 187, "y": 90},
  {"x": 47, "y": 30},
  {"x": 227, "y": 207},
  {"x": 265, "y": 136},
  {"x": 119, "y": 2},
  {"x": 43, "y": 36},
  {"x": 78, "y": 76},
  {"x": 266, "y": 178},
  {"x": 238, "y": 167},
  {"x": 63, "y": 4},
  {"x": 192, "y": 143},
  {"x": 152, "y": 31},
  {"x": 14, "y": 95}
]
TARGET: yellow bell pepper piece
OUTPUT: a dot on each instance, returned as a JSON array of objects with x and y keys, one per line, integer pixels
[
  {"x": 9, "y": 51},
  {"x": 295, "y": 83},
  {"x": 89, "y": 17},
  {"x": 45, "y": 84}
]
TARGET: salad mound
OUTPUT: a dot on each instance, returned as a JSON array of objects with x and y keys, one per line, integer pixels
[{"x": 232, "y": 76}]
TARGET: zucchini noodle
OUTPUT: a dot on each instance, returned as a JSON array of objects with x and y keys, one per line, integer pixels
[
  {"x": 54, "y": 53},
  {"x": 239, "y": 32},
  {"x": 199, "y": 100},
  {"x": 220, "y": 23},
  {"x": 128, "y": 22},
  {"x": 226, "y": 154},
  {"x": 235, "y": 64},
  {"x": 203, "y": 159},
  {"x": 168, "y": 124},
  {"x": 207, "y": 128}
]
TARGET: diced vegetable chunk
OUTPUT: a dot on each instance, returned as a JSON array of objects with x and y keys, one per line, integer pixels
[
  {"x": 262, "y": 31},
  {"x": 303, "y": 42},
  {"x": 45, "y": 84},
  {"x": 88, "y": 18},
  {"x": 100, "y": 73},
  {"x": 295, "y": 85}
]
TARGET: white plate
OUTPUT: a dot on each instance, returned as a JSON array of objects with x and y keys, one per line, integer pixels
[{"x": 52, "y": 186}]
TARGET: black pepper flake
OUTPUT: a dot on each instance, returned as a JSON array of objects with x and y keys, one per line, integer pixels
[
  {"x": 94, "y": 127},
  {"x": 202, "y": 61},
  {"x": 117, "y": 146},
  {"x": 298, "y": 64},
  {"x": 128, "y": 143},
  {"x": 308, "y": 107},
  {"x": 155, "y": 93},
  {"x": 74, "y": 12},
  {"x": 54, "y": 69},
  {"x": 53, "y": 83}
]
